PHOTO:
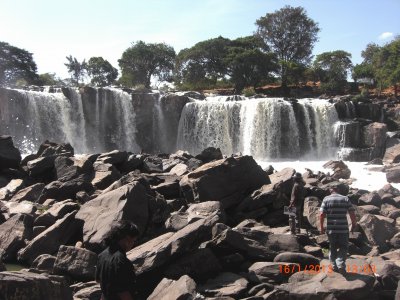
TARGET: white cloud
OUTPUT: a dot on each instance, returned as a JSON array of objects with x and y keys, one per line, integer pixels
[{"x": 385, "y": 35}]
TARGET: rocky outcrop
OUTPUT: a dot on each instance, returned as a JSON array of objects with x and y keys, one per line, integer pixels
[
  {"x": 184, "y": 288},
  {"x": 227, "y": 180},
  {"x": 10, "y": 157},
  {"x": 76, "y": 263},
  {"x": 128, "y": 202},
  {"x": 48, "y": 242},
  {"x": 13, "y": 235},
  {"x": 27, "y": 286}
]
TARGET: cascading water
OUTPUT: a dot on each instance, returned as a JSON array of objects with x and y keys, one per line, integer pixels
[
  {"x": 32, "y": 117},
  {"x": 267, "y": 128},
  {"x": 104, "y": 120}
]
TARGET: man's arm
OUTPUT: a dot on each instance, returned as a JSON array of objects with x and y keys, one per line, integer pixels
[
  {"x": 321, "y": 222},
  {"x": 353, "y": 220}
]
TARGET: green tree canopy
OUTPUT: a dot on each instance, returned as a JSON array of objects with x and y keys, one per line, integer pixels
[
  {"x": 247, "y": 64},
  {"x": 386, "y": 63},
  {"x": 203, "y": 64},
  {"x": 334, "y": 67},
  {"x": 291, "y": 34},
  {"x": 242, "y": 62},
  {"x": 76, "y": 69},
  {"x": 49, "y": 79},
  {"x": 140, "y": 62},
  {"x": 16, "y": 64},
  {"x": 102, "y": 73}
]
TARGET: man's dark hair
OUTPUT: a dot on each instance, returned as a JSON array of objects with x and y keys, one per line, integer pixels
[{"x": 119, "y": 231}]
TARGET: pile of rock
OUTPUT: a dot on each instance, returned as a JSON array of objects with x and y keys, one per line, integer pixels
[{"x": 211, "y": 227}]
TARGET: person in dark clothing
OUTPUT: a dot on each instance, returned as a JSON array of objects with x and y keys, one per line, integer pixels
[
  {"x": 114, "y": 271},
  {"x": 297, "y": 201}
]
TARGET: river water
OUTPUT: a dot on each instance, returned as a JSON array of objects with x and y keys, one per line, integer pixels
[{"x": 364, "y": 177}]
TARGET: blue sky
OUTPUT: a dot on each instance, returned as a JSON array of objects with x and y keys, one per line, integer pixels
[{"x": 52, "y": 30}]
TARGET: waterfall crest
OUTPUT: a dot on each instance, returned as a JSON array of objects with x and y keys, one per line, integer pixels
[{"x": 267, "y": 128}]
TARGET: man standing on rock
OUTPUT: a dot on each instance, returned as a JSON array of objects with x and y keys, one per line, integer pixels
[
  {"x": 114, "y": 271},
  {"x": 297, "y": 201},
  {"x": 335, "y": 208}
]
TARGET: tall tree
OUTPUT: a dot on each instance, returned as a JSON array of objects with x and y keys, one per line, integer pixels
[
  {"x": 291, "y": 34},
  {"x": 16, "y": 64},
  {"x": 101, "y": 71},
  {"x": 203, "y": 64},
  {"x": 142, "y": 61},
  {"x": 386, "y": 63},
  {"x": 76, "y": 69},
  {"x": 247, "y": 63},
  {"x": 335, "y": 66}
]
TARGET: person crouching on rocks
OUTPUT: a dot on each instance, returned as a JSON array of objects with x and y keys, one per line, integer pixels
[
  {"x": 114, "y": 271},
  {"x": 335, "y": 207},
  {"x": 297, "y": 201}
]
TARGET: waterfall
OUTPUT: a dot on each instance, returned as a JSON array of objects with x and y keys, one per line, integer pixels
[
  {"x": 267, "y": 128},
  {"x": 32, "y": 117},
  {"x": 94, "y": 121}
]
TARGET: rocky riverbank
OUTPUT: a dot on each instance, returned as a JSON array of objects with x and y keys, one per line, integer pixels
[{"x": 212, "y": 227}]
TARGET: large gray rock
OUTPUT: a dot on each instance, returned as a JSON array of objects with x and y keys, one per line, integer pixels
[
  {"x": 303, "y": 259},
  {"x": 377, "y": 229},
  {"x": 225, "y": 285},
  {"x": 326, "y": 286},
  {"x": 226, "y": 180},
  {"x": 77, "y": 263},
  {"x": 11, "y": 188},
  {"x": 199, "y": 264},
  {"x": 86, "y": 291},
  {"x": 231, "y": 241},
  {"x": 40, "y": 165},
  {"x": 165, "y": 248},
  {"x": 65, "y": 190},
  {"x": 44, "y": 262},
  {"x": 392, "y": 154},
  {"x": 128, "y": 202},
  {"x": 339, "y": 168},
  {"x": 273, "y": 272},
  {"x": 311, "y": 210},
  {"x": 375, "y": 137},
  {"x": 30, "y": 193},
  {"x": 184, "y": 288},
  {"x": 24, "y": 207},
  {"x": 52, "y": 238},
  {"x": 10, "y": 157},
  {"x": 32, "y": 286},
  {"x": 13, "y": 234},
  {"x": 56, "y": 212}
]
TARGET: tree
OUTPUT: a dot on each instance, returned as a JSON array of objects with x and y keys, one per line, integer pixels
[
  {"x": 290, "y": 34},
  {"x": 247, "y": 64},
  {"x": 387, "y": 65},
  {"x": 202, "y": 65},
  {"x": 16, "y": 64},
  {"x": 49, "y": 79},
  {"x": 101, "y": 71},
  {"x": 335, "y": 66},
  {"x": 142, "y": 61},
  {"x": 76, "y": 69}
]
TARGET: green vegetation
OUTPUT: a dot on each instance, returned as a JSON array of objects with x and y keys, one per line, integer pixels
[
  {"x": 102, "y": 73},
  {"x": 332, "y": 68},
  {"x": 76, "y": 69},
  {"x": 291, "y": 34},
  {"x": 142, "y": 61},
  {"x": 279, "y": 51},
  {"x": 15, "y": 65}
]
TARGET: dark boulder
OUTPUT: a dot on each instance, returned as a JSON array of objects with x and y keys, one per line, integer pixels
[
  {"x": 226, "y": 180},
  {"x": 10, "y": 157}
]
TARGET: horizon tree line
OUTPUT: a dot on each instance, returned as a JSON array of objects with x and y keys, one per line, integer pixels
[{"x": 280, "y": 51}]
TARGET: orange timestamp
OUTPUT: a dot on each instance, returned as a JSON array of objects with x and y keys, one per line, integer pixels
[{"x": 366, "y": 269}]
